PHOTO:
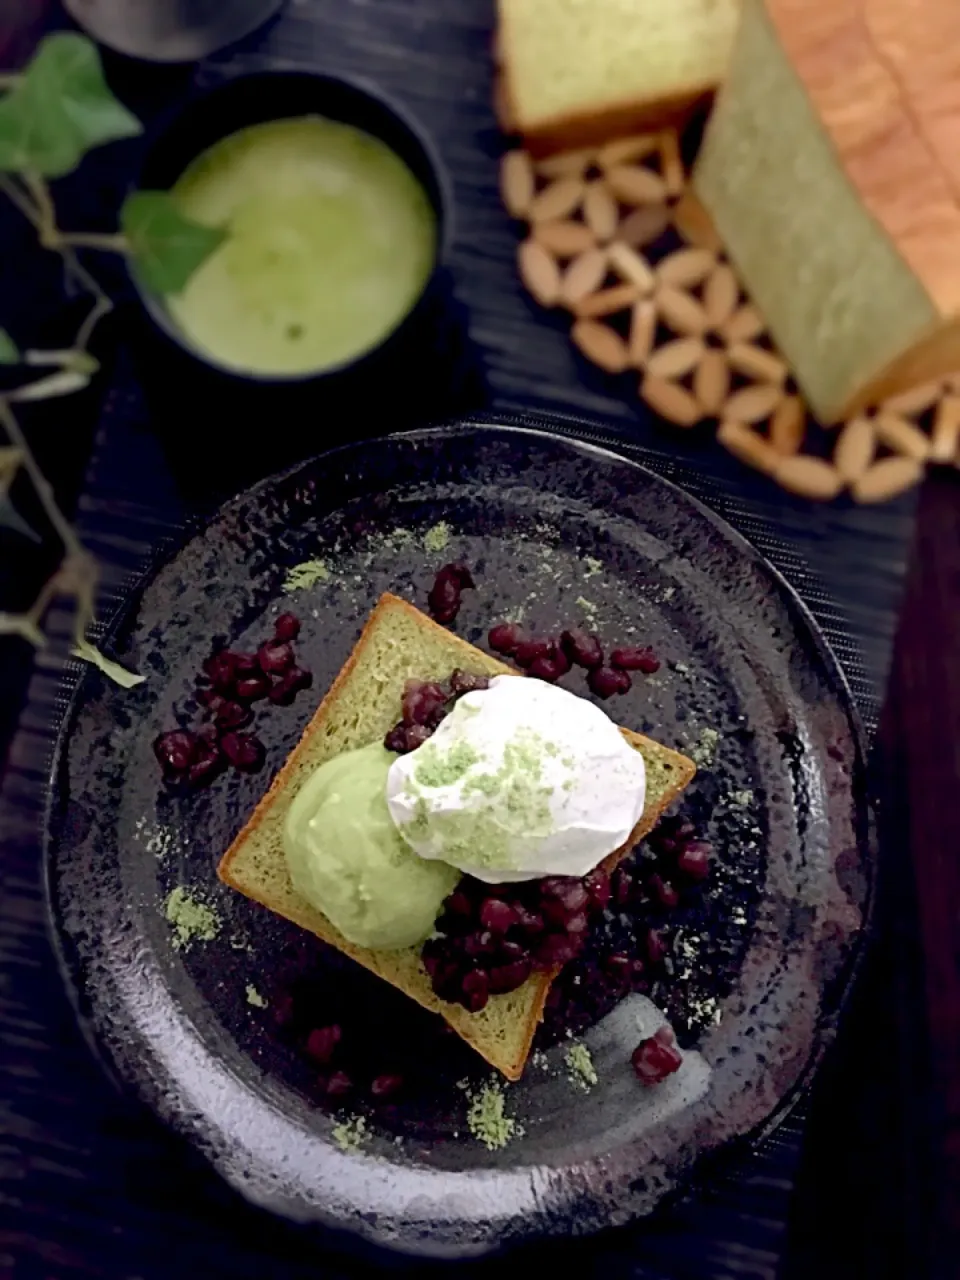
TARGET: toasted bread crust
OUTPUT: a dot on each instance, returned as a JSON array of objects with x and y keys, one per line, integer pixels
[
  {"x": 384, "y": 963},
  {"x": 582, "y": 129}
]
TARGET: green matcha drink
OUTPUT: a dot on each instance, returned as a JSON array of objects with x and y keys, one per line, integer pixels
[{"x": 331, "y": 240}]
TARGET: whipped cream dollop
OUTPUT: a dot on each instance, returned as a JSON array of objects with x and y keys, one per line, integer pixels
[{"x": 521, "y": 780}]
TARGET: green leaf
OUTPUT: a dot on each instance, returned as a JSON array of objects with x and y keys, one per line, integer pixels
[
  {"x": 167, "y": 246},
  {"x": 8, "y": 349},
  {"x": 59, "y": 108},
  {"x": 113, "y": 670}
]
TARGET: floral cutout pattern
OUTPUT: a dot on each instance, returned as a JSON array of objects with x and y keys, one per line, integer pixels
[{"x": 616, "y": 239}]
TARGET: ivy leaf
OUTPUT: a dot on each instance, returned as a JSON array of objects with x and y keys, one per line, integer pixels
[
  {"x": 8, "y": 349},
  {"x": 113, "y": 670},
  {"x": 166, "y": 246},
  {"x": 59, "y": 108},
  {"x": 10, "y": 517}
]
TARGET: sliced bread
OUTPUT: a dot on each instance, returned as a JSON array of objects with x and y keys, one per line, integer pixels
[
  {"x": 830, "y": 169},
  {"x": 399, "y": 643},
  {"x": 576, "y": 73}
]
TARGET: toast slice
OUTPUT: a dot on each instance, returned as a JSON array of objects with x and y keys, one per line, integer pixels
[
  {"x": 577, "y": 75},
  {"x": 400, "y": 643}
]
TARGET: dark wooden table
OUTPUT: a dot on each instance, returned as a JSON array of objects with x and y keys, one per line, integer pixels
[
  {"x": 921, "y": 771},
  {"x": 878, "y": 1187}
]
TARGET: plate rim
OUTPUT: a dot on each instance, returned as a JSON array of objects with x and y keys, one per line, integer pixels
[{"x": 531, "y": 424}]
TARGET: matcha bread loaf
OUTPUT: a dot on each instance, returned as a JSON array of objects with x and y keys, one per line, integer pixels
[
  {"x": 831, "y": 169},
  {"x": 577, "y": 73},
  {"x": 399, "y": 643}
]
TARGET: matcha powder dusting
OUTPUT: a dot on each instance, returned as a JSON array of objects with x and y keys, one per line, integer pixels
[
  {"x": 192, "y": 920},
  {"x": 303, "y": 576},
  {"x": 487, "y": 1117},
  {"x": 438, "y": 537},
  {"x": 704, "y": 750},
  {"x": 350, "y": 1135},
  {"x": 580, "y": 1067}
]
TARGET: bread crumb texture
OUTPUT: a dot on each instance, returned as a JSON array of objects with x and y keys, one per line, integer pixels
[{"x": 565, "y": 59}]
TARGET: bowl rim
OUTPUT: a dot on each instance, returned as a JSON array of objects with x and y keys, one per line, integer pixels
[{"x": 441, "y": 202}]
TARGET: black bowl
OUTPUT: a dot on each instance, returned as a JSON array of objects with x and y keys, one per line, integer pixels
[
  {"x": 221, "y": 429},
  {"x": 255, "y": 99}
]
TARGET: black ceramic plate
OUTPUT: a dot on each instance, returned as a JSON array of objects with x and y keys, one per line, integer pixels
[{"x": 555, "y": 532}]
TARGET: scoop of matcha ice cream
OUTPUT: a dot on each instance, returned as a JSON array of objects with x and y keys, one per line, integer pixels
[{"x": 346, "y": 857}]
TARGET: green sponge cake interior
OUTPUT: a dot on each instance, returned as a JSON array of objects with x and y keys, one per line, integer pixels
[
  {"x": 620, "y": 62},
  {"x": 841, "y": 303}
]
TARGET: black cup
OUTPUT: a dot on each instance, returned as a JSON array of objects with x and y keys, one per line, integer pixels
[{"x": 423, "y": 369}]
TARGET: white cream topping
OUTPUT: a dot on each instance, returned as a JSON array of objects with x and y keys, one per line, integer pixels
[{"x": 521, "y": 780}]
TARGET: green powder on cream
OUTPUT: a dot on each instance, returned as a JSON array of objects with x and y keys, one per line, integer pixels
[
  {"x": 437, "y": 768},
  {"x": 519, "y": 802}
]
